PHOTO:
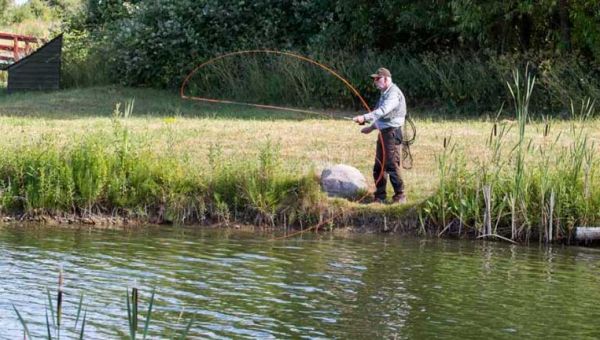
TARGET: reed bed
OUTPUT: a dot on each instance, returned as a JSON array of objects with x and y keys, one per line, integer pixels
[
  {"x": 450, "y": 83},
  {"x": 542, "y": 185}
]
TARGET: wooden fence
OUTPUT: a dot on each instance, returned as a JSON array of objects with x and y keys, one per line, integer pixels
[
  {"x": 39, "y": 70},
  {"x": 15, "y": 46}
]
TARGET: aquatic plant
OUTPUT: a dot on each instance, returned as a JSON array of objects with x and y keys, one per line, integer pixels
[
  {"x": 540, "y": 187},
  {"x": 54, "y": 323}
]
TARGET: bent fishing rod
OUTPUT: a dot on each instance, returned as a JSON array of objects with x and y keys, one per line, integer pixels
[{"x": 382, "y": 161}]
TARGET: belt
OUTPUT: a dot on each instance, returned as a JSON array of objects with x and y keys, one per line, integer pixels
[{"x": 390, "y": 129}]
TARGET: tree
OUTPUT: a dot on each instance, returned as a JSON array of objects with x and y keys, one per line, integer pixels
[
  {"x": 585, "y": 19},
  {"x": 4, "y": 6}
]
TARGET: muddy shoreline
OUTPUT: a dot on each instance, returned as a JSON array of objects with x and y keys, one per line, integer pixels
[{"x": 346, "y": 221}]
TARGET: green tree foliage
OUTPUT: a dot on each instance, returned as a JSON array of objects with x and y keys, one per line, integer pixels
[
  {"x": 445, "y": 51},
  {"x": 38, "y": 10},
  {"x": 385, "y": 25},
  {"x": 158, "y": 39},
  {"x": 585, "y": 17},
  {"x": 103, "y": 12},
  {"x": 151, "y": 34},
  {"x": 3, "y": 8}
]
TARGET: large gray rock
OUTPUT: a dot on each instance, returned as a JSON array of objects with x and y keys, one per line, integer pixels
[{"x": 342, "y": 180}]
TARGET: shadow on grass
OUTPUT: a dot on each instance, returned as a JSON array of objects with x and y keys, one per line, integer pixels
[{"x": 100, "y": 102}]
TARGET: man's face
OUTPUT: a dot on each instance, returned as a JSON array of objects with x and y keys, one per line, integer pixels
[{"x": 380, "y": 82}]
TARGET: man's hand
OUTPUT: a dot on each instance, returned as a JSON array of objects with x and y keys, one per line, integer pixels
[
  {"x": 367, "y": 130},
  {"x": 359, "y": 119}
]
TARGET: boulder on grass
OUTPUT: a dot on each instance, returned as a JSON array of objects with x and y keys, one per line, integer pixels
[{"x": 343, "y": 180}]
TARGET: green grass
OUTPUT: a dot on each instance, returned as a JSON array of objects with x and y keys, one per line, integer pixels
[
  {"x": 71, "y": 151},
  {"x": 145, "y": 166},
  {"x": 100, "y": 102}
]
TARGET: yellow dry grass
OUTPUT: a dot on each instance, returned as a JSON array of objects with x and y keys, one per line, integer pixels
[{"x": 304, "y": 144}]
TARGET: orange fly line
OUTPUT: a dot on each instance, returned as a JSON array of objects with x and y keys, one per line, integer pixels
[{"x": 274, "y": 107}]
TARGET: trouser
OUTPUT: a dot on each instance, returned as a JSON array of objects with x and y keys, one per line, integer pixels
[{"x": 393, "y": 157}]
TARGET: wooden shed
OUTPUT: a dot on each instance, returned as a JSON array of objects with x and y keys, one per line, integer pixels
[{"x": 38, "y": 71}]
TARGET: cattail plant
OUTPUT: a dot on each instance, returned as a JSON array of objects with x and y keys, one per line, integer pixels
[
  {"x": 59, "y": 299},
  {"x": 132, "y": 312},
  {"x": 55, "y": 320},
  {"x": 548, "y": 188},
  {"x": 521, "y": 94}
]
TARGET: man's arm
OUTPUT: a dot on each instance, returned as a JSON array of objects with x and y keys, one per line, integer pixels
[{"x": 391, "y": 102}]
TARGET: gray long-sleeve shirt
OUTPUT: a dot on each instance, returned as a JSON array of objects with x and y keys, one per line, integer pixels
[{"x": 390, "y": 110}]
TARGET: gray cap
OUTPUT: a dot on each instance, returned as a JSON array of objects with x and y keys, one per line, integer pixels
[{"x": 382, "y": 72}]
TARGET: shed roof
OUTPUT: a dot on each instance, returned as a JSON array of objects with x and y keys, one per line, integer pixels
[{"x": 23, "y": 60}]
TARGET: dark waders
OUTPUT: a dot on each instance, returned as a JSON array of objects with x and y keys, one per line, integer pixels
[{"x": 392, "y": 139}]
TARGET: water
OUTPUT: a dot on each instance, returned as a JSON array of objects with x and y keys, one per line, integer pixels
[{"x": 241, "y": 285}]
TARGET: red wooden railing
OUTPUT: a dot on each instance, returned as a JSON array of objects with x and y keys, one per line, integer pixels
[{"x": 15, "y": 46}]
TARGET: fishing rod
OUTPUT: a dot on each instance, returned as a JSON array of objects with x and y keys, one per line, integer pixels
[
  {"x": 183, "y": 95},
  {"x": 409, "y": 125}
]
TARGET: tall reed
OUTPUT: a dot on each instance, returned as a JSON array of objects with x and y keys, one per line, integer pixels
[
  {"x": 55, "y": 322},
  {"x": 520, "y": 90},
  {"x": 453, "y": 83},
  {"x": 523, "y": 188}
]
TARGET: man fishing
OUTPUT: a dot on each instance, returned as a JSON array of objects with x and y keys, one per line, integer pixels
[{"x": 387, "y": 117}]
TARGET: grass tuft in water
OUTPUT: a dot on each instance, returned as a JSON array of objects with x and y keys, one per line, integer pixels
[{"x": 132, "y": 303}]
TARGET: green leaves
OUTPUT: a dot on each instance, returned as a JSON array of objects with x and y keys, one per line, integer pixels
[{"x": 23, "y": 323}]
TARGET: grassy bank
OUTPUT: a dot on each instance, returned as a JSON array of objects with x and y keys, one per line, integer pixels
[{"x": 171, "y": 160}]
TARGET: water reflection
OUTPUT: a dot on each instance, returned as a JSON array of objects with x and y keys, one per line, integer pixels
[{"x": 241, "y": 285}]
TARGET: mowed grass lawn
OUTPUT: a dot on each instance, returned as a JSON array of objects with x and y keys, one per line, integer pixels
[{"x": 188, "y": 130}]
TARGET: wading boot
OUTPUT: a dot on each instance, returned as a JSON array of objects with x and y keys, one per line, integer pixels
[{"x": 400, "y": 199}]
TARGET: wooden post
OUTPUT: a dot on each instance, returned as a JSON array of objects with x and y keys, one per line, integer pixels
[
  {"x": 586, "y": 234},
  {"x": 15, "y": 49}
]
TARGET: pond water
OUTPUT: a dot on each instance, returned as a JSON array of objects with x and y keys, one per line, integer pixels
[{"x": 243, "y": 285}]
